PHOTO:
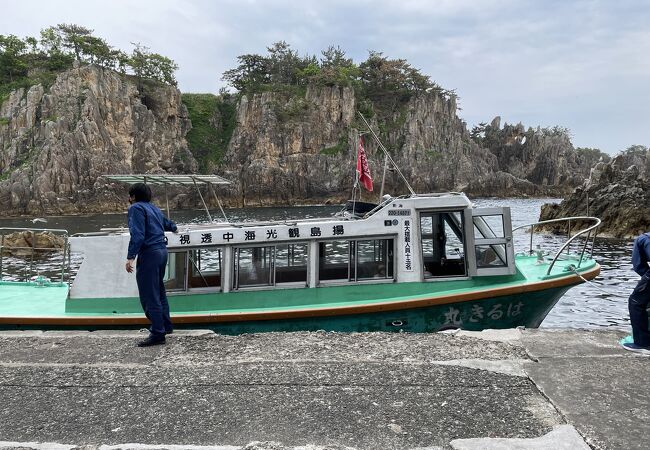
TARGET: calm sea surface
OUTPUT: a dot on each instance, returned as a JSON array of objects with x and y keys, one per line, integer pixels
[{"x": 597, "y": 305}]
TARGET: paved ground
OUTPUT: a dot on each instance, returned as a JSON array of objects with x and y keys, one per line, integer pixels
[{"x": 508, "y": 389}]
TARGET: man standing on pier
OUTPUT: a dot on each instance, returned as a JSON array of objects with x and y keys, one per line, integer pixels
[
  {"x": 147, "y": 226},
  {"x": 640, "y": 298}
]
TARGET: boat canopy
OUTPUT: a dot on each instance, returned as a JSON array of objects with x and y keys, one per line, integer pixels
[
  {"x": 164, "y": 179},
  {"x": 176, "y": 180}
]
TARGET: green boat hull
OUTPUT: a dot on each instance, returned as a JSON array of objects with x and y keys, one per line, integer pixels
[
  {"x": 527, "y": 309},
  {"x": 522, "y": 299}
]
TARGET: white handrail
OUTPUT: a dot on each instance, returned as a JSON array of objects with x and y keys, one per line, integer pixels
[{"x": 588, "y": 230}]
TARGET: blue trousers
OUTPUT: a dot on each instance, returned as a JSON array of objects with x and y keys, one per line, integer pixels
[
  {"x": 149, "y": 273},
  {"x": 638, "y": 306}
]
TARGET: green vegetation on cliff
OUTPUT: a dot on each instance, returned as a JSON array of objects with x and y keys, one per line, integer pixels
[
  {"x": 382, "y": 86},
  {"x": 213, "y": 122},
  {"x": 29, "y": 61}
]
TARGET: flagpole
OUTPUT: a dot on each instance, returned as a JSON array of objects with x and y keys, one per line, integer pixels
[
  {"x": 383, "y": 179},
  {"x": 355, "y": 186},
  {"x": 387, "y": 154}
]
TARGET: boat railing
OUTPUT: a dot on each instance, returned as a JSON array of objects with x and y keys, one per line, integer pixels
[
  {"x": 589, "y": 234},
  {"x": 33, "y": 250}
]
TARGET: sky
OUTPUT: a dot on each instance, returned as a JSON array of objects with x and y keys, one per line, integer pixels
[{"x": 581, "y": 64}]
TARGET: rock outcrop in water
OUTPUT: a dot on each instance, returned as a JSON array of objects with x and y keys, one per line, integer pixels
[
  {"x": 92, "y": 121},
  {"x": 279, "y": 149},
  {"x": 23, "y": 243},
  {"x": 618, "y": 193}
]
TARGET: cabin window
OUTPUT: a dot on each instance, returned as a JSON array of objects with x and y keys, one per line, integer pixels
[
  {"x": 272, "y": 265},
  {"x": 493, "y": 255},
  {"x": 490, "y": 255},
  {"x": 490, "y": 227},
  {"x": 443, "y": 248},
  {"x": 291, "y": 263},
  {"x": 357, "y": 260},
  {"x": 175, "y": 271},
  {"x": 193, "y": 269},
  {"x": 254, "y": 266},
  {"x": 205, "y": 268},
  {"x": 374, "y": 259},
  {"x": 334, "y": 260}
]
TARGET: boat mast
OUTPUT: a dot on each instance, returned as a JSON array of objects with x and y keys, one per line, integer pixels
[{"x": 387, "y": 155}]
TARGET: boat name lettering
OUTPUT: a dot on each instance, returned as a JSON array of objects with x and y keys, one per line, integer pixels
[
  {"x": 249, "y": 235},
  {"x": 294, "y": 232},
  {"x": 315, "y": 231},
  {"x": 337, "y": 230},
  {"x": 206, "y": 238},
  {"x": 185, "y": 239},
  {"x": 408, "y": 260},
  {"x": 399, "y": 212},
  {"x": 477, "y": 313},
  {"x": 272, "y": 234},
  {"x": 228, "y": 236},
  {"x": 452, "y": 317}
]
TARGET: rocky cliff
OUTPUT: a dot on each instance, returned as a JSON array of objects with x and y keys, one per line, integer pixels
[
  {"x": 618, "y": 193},
  {"x": 277, "y": 147},
  {"x": 56, "y": 143},
  {"x": 297, "y": 149},
  {"x": 534, "y": 162}
]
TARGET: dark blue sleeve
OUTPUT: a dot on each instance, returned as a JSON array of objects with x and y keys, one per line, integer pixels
[
  {"x": 136, "y": 228},
  {"x": 641, "y": 254},
  {"x": 168, "y": 225}
]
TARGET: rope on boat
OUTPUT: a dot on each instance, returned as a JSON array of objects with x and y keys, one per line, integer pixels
[{"x": 573, "y": 269}]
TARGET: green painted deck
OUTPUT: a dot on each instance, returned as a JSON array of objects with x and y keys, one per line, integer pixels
[
  {"x": 27, "y": 299},
  {"x": 30, "y": 300}
]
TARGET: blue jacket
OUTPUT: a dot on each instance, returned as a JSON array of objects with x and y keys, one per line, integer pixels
[
  {"x": 641, "y": 254},
  {"x": 147, "y": 226}
]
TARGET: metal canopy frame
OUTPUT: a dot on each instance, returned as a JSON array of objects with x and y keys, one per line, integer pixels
[
  {"x": 168, "y": 179},
  {"x": 176, "y": 180}
]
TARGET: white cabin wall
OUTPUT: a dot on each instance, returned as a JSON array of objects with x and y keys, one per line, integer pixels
[
  {"x": 227, "y": 268},
  {"x": 102, "y": 273}
]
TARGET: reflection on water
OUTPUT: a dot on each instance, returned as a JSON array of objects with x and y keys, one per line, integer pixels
[{"x": 584, "y": 306}]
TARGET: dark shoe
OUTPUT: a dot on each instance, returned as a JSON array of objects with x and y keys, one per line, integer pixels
[
  {"x": 169, "y": 332},
  {"x": 152, "y": 340},
  {"x": 636, "y": 348}
]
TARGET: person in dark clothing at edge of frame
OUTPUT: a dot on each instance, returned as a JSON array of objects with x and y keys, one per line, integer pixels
[
  {"x": 639, "y": 299},
  {"x": 147, "y": 226}
]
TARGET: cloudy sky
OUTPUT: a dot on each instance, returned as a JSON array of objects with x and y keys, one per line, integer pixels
[{"x": 581, "y": 64}]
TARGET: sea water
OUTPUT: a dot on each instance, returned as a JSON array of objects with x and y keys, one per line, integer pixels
[{"x": 599, "y": 304}]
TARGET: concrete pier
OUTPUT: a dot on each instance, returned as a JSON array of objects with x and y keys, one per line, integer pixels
[{"x": 511, "y": 389}]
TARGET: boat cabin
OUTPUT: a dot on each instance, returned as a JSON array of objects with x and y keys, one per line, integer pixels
[{"x": 417, "y": 238}]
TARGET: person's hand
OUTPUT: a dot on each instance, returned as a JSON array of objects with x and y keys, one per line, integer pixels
[{"x": 129, "y": 265}]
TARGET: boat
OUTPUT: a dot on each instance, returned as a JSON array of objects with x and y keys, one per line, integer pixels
[{"x": 413, "y": 263}]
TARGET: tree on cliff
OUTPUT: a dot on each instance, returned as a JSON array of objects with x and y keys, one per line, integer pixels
[
  {"x": 12, "y": 58},
  {"x": 152, "y": 65},
  {"x": 377, "y": 77},
  {"x": 24, "y": 62}
]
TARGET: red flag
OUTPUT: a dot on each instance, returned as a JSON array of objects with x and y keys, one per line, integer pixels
[{"x": 362, "y": 167}]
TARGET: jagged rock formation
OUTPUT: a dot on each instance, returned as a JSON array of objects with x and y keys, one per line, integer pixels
[
  {"x": 619, "y": 194},
  {"x": 92, "y": 121},
  {"x": 532, "y": 162},
  {"x": 279, "y": 148}
]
